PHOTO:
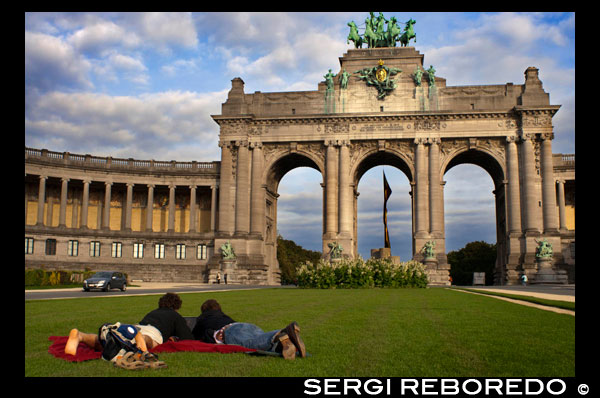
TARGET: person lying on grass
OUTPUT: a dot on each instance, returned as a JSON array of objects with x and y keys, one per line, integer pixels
[
  {"x": 158, "y": 326},
  {"x": 213, "y": 326}
]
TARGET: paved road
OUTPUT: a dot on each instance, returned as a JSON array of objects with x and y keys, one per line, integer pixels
[
  {"x": 556, "y": 292},
  {"x": 143, "y": 288}
]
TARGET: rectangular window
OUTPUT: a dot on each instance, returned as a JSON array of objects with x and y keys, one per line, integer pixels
[
  {"x": 28, "y": 245},
  {"x": 50, "y": 247},
  {"x": 138, "y": 250},
  {"x": 116, "y": 250},
  {"x": 201, "y": 252},
  {"x": 180, "y": 251},
  {"x": 73, "y": 248},
  {"x": 94, "y": 249},
  {"x": 159, "y": 250}
]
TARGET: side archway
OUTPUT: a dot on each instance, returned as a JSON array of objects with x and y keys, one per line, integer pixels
[
  {"x": 493, "y": 164},
  {"x": 277, "y": 166}
]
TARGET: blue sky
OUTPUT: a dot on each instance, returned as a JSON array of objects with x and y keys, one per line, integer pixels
[{"x": 144, "y": 85}]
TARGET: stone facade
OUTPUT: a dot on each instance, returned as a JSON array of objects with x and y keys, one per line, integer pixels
[{"x": 424, "y": 130}]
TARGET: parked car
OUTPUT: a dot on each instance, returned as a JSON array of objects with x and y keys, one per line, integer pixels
[{"x": 106, "y": 280}]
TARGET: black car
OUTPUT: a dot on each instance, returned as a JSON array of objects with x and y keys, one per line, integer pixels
[{"x": 106, "y": 280}]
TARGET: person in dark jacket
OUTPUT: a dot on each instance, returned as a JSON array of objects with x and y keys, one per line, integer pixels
[
  {"x": 214, "y": 326},
  {"x": 158, "y": 326},
  {"x": 167, "y": 320}
]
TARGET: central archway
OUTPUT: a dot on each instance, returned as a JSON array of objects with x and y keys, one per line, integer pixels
[
  {"x": 370, "y": 160},
  {"x": 370, "y": 228}
]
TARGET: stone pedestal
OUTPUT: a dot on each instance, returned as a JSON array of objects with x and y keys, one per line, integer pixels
[
  {"x": 385, "y": 252},
  {"x": 546, "y": 273},
  {"x": 228, "y": 271},
  {"x": 430, "y": 263}
]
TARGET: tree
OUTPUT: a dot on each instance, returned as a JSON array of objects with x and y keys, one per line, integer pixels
[
  {"x": 290, "y": 256},
  {"x": 476, "y": 256}
]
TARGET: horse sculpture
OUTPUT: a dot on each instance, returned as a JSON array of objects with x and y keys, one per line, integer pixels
[
  {"x": 369, "y": 36},
  {"x": 409, "y": 33},
  {"x": 376, "y": 36},
  {"x": 354, "y": 36},
  {"x": 393, "y": 31}
]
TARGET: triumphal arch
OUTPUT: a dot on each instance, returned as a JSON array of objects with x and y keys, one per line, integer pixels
[
  {"x": 191, "y": 221},
  {"x": 385, "y": 106}
]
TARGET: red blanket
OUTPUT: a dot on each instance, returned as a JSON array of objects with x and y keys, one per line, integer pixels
[{"x": 85, "y": 353}]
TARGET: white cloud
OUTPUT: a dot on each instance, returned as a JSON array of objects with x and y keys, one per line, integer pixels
[
  {"x": 166, "y": 29},
  {"x": 102, "y": 36},
  {"x": 51, "y": 62},
  {"x": 143, "y": 126}
]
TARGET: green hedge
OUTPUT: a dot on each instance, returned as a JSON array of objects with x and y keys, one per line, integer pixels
[
  {"x": 351, "y": 274},
  {"x": 40, "y": 277}
]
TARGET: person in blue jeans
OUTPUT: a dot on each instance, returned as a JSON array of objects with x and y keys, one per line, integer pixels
[{"x": 213, "y": 326}]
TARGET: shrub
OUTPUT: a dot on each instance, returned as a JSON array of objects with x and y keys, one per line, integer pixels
[
  {"x": 40, "y": 277},
  {"x": 352, "y": 274}
]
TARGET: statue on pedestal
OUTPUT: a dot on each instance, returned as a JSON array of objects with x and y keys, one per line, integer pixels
[
  {"x": 336, "y": 250},
  {"x": 427, "y": 249},
  {"x": 544, "y": 249},
  {"x": 227, "y": 252}
]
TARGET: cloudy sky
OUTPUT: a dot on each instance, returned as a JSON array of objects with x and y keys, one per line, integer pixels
[{"x": 144, "y": 85}]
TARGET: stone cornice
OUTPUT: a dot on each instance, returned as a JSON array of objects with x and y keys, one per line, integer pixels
[
  {"x": 537, "y": 110},
  {"x": 252, "y": 120}
]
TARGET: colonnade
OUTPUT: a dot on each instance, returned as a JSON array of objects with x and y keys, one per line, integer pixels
[{"x": 105, "y": 218}]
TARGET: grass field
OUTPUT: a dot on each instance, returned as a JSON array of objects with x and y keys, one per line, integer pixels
[{"x": 351, "y": 333}]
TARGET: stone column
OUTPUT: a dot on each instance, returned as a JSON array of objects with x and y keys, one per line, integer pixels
[
  {"x": 128, "y": 205},
  {"x": 421, "y": 192},
  {"x": 41, "y": 200},
  {"x": 106, "y": 214},
  {"x": 529, "y": 183},
  {"x": 75, "y": 210},
  {"x": 331, "y": 174},
  {"x": 513, "y": 199},
  {"x": 436, "y": 213},
  {"x": 242, "y": 216},
  {"x": 192, "y": 208},
  {"x": 62, "y": 216},
  {"x": 443, "y": 211},
  {"x": 225, "y": 205},
  {"x": 257, "y": 215},
  {"x": 150, "y": 207},
  {"x": 561, "y": 205},
  {"x": 171, "y": 227},
  {"x": 84, "y": 205},
  {"x": 213, "y": 208},
  {"x": 548, "y": 186},
  {"x": 345, "y": 191}
]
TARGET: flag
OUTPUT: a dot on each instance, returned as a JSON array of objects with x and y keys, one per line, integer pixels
[{"x": 387, "y": 191}]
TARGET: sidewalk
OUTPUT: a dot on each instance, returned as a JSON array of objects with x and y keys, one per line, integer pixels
[
  {"x": 566, "y": 293},
  {"x": 549, "y": 292}
]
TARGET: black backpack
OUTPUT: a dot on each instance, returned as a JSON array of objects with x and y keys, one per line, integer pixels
[{"x": 117, "y": 340}]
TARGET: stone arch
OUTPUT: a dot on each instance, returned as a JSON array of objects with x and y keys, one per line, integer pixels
[
  {"x": 491, "y": 161},
  {"x": 283, "y": 161},
  {"x": 374, "y": 157},
  {"x": 386, "y": 157},
  {"x": 277, "y": 164}
]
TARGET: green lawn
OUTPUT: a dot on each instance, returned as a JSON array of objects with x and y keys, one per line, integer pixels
[{"x": 352, "y": 333}]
